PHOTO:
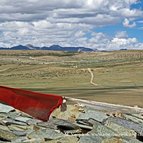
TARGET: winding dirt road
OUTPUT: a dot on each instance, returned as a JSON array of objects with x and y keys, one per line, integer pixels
[{"x": 92, "y": 77}]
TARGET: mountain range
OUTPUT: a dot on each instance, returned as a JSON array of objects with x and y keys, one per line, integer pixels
[{"x": 52, "y": 48}]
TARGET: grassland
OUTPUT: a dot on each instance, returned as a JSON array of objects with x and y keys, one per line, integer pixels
[{"x": 119, "y": 74}]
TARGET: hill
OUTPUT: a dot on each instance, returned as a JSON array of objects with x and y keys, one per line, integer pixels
[
  {"x": 51, "y": 48},
  {"x": 118, "y": 74}
]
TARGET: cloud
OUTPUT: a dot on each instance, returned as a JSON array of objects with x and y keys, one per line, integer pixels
[
  {"x": 125, "y": 12},
  {"x": 66, "y": 22},
  {"x": 122, "y": 43},
  {"x": 64, "y": 35},
  {"x": 121, "y": 34},
  {"x": 119, "y": 41},
  {"x": 33, "y": 10},
  {"x": 127, "y": 23}
]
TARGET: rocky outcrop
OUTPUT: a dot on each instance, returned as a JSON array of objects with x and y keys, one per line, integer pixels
[{"x": 80, "y": 123}]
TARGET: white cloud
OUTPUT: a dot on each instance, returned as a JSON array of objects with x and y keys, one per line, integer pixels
[
  {"x": 66, "y": 22},
  {"x": 128, "y": 24},
  {"x": 121, "y": 34},
  {"x": 33, "y": 10},
  {"x": 125, "y": 12},
  {"x": 121, "y": 43}
]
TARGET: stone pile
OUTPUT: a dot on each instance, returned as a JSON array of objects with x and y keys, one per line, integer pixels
[{"x": 78, "y": 124}]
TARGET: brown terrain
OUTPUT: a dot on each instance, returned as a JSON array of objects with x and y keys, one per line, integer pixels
[{"x": 113, "y": 77}]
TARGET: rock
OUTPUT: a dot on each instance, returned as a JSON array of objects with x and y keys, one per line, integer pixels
[
  {"x": 5, "y": 108},
  {"x": 90, "y": 139},
  {"x": 112, "y": 140},
  {"x": 140, "y": 116},
  {"x": 47, "y": 125},
  {"x": 4, "y": 127},
  {"x": 3, "y": 116},
  {"x": 46, "y": 134},
  {"x": 17, "y": 127},
  {"x": 70, "y": 114},
  {"x": 75, "y": 125},
  {"x": 121, "y": 130},
  {"x": 63, "y": 124},
  {"x": 130, "y": 140},
  {"x": 120, "y": 140},
  {"x": 33, "y": 121},
  {"x": 66, "y": 139},
  {"x": 101, "y": 130},
  {"x": 7, "y": 135},
  {"x": 22, "y": 119},
  {"x": 128, "y": 124},
  {"x": 73, "y": 132},
  {"x": 19, "y": 133},
  {"x": 13, "y": 115},
  {"x": 86, "y": 127},
  {"x": 20, "y": 140},
  {"x": 9, "y": 121},
  {"x": 93, "y": 114},
  {"x": 133, "y": 118}
]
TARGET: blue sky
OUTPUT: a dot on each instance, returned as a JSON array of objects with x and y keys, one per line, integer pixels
[
  {"x": 113, "y": 29},
  {"x": 97, "y": 24},
  {"x": 136, "y": 31},
  {"x": 138, "y": 5}
]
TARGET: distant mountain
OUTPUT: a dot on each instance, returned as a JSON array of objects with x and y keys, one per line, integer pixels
[
  {"x": 52, "y": 48},
  {"x": 123, "y": 49},
  {"x": 1, "y": 48},
  {"x": 19, "y": 47},
  {"x": 31, "y": 47},
  {"x": 68, "y": 49}
]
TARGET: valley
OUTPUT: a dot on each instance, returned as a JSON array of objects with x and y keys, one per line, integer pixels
[{"x": 118, "y": 74}]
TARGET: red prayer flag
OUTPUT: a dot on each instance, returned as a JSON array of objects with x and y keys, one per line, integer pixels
[{"x": 38, "y": 105}]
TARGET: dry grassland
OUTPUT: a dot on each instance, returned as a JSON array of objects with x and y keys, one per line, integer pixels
[{"x": 118, "y": 74}]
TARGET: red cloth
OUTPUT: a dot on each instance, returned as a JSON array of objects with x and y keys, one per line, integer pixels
[{"x": 35, "y": 104}]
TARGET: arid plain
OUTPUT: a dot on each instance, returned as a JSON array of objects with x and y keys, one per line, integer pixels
[{"x": 118, "y": 75}]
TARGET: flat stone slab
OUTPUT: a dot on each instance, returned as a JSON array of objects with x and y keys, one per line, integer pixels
[
  {"x": 121, "y": 130},
  {"x": 5, "y": 108},
  {"x": 127, "y": 124},
  {"x": 93, "y": 114},
  {"x": 78, "y": 124}
]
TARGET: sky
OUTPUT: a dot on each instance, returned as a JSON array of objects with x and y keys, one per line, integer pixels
[{"x": 96, "y": 24}]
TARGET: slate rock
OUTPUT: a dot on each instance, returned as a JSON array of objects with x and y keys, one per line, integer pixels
[
  {"x": 93, "y": 114},
  {"x": 5, "y": 108},
  {"x": 3, "y": 116},
  {"x": 112, "y": 140},
  {"x": 33, "y": 122},
  {"x": 17, "y": 127},
  {"x": 9, "y": 121},
  {"x": 130, "y": 140},
  {"x": 48, "y": 134},
  {"x": 101, "y": 130},
  {"x": 133, "y": 118},
  {"x": 66, "y": 139},
  {"x": 70, "y": 114},
  {"x": 22, "y": 119},
  {"x": 63, "y": 124},
  {"x": 7, "y": 135},
  {"x": 127, "y": 124},
  {"x": 90, "y": 139},
  {"x": 13, "y": 115},
  {"x": 121, "y": 130},
  {"x": 140, "y": 116}
]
